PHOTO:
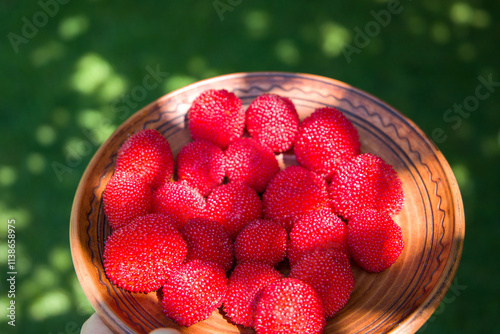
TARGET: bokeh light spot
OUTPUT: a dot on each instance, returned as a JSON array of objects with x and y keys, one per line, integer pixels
[
  {"x": 60, "y": 259},
  {"x": 73, "y": 26},
  {"x": 461, "y": 13},
  {"x": 45, "y": 135},
  {"x": 197, "y": 65},
  {"x": 60, "y": 117},
  {"x": 177, "y": 81},
  {"x": 257, "y": 23},
  {"x": 36, "y": 162},
  {"x": 334, "y": 37},
  {"x": 89, "y": 118},
  {"x": 462, "y": 175},
  {"x": 112, "y": 88},
  {"x": 481, "y": 19},
  {"x": 440, "y": 32},
  {"x": 287, "y": 52},
  {"x": 51, "y": 304},
  {"x": 8, "y": 176},
  {"x": 92, "y": 70},
  {"x": 41, "y": 278},
  {"x": 46, "y": 53}
]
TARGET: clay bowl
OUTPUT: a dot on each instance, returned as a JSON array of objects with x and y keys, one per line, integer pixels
[{"x": 398, "y": 300}]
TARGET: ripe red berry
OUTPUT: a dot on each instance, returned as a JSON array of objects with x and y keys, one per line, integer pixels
[
  {"x": 329, "y": 272},
  {"x": 245, "y": 283},
  {"x": 179, "y": 201},
  {"x": 273, "y": 121},
  {"x": 317, "y": 229},
  {"x": 250, "y": 162},
  {"x": 194, "y": 291},
  {"x": 366, "y": 182},
  {"x": 201, "y": 165},
  {"x": 216, "y": 116},
  {"x": 208, "y": 241},
  {"x": 140, "y": 256},
  {"x": 261, "y": 241},
  {"x": 289, "y": 306},
  {"x": 375, "y": 240},
  {"x": 324, "y": 140},
  {"x": 125, "y": 198},
  {"x": 292, "y": 193},
  {"x": 233, "y": 205},
  {"x": 147, "y": 153}
]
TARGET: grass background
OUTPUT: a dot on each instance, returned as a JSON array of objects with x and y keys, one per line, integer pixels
[{"x": 62, "y": 81}]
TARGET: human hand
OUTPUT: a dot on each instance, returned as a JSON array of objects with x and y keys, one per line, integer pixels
[{"x": 94, "y": 325}]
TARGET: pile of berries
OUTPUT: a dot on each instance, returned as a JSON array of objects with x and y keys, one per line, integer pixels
[{"x": 212, "y": 232}]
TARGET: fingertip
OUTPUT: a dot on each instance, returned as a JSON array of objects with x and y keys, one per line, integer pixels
[{"x": 165, "y": 331}]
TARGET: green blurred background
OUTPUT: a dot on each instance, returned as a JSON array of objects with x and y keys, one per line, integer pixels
[{"x": 67, "y": 66}]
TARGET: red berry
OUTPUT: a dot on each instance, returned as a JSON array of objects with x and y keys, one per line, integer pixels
[
  {"x": 245, "y": 283},
  {"x": 201, "y": 165},
  {"x": 125, "y": 198},
  {"x": 317, "y": 229},
  {"x": 147, "y": 153},
  {"x": 366, "y": 182},
  {"x": 208, "y": 241},
  {"x": 140, "y": 256},
  {"x": 193, "y": 292},
  {"x": 329, "y": 272},
  {"x": 273, "y": 121},
  {"x": 233, "y": 205},
  {"x": 216, "y": 116},
  {"x": 375, "y": 240},
  {"x": 289, "y": 306},
  {"x": 179, "y": 201},
  {"x": 250, "y": 162},
  {"x": 324, "y": 140},
  {"x": 261, "y": 241},
  {"x": 292, "y": 193}
]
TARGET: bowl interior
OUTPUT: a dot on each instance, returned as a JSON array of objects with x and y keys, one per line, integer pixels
[{"x": 399, "y": 299}]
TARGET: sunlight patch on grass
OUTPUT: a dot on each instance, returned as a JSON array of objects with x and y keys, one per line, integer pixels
[
  {"x": 73, "y": 26},
  {"x": 197, "y": 65},
  {"x": 463, "y": 13},
  {"x": 60, "y": 117},
  {"x": 60, "y": 259},
  {"x": 334, "y": 37},
  {"x": 45, "y": 135},
  {"x": 36, "y": 162},
  {"x": 440, "y": 33},
  {"x": 21, "y": 215},
  {"x": 91, "y": 72},
  {"x": 89, "y": 118},
  {"x": 83, "y": 306},
  {"x": 51, "y": 304},
  {"x": 46, "y": 53},
  {"x": 177, "y": 81},
  {"x": 8, "y": 176},
  {"x": 481, "y": 19},
  {"x": 257, "y": 23},
  {"x": 463, "y": 177},
  {"x": 42, "y": 278},
  {"x": 112, "y": 88},
  {"x": 287, "y": 52}
]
